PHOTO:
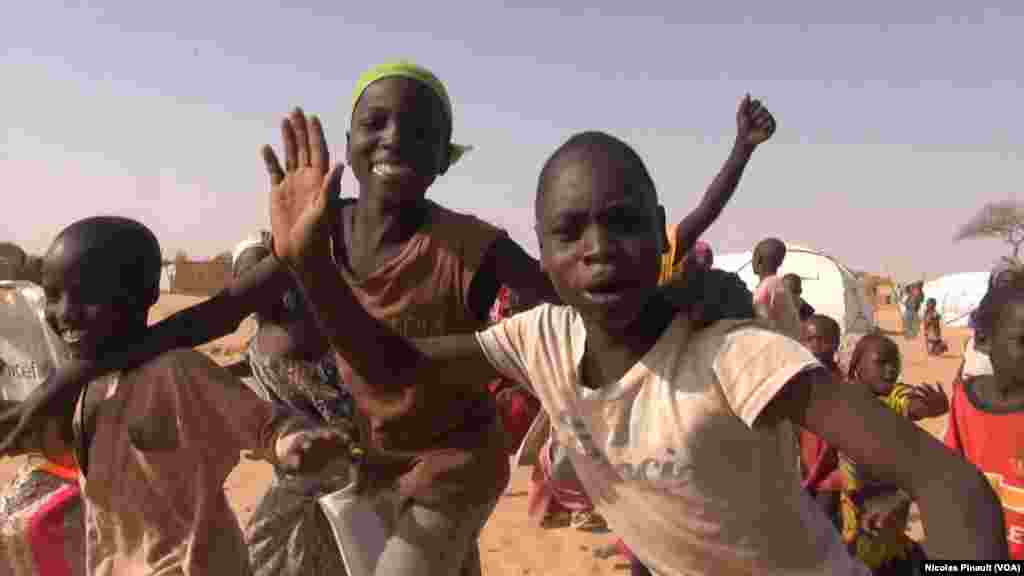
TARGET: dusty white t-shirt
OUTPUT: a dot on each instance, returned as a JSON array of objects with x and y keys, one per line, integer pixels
[{"x": 669, "y": 455}]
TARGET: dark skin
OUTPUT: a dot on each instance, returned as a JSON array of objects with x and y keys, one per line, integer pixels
[
  {"x": 822, "y": 339},
  {"x": 1003, "y": 391},
  {"x": 395, "y": 119},
  {"x": 955, "y": 498},
  {"x": 94, "y": 308},
  {"x": 754, "y": 126},
  {"x": 768, "y": 257},
  {"x": 879, "y": 369}
]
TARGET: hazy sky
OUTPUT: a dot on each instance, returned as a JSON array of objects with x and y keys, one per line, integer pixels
[{"x": 897, "y": 120}]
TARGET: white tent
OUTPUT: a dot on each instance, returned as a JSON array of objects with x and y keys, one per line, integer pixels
[
  {"x": 828, "y": 286},
  {"x": 957, "y": 295}
]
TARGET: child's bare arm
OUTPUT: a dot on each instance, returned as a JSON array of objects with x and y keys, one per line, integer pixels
[
  {"x": 962, "y": 514},
  {"x": 754, "y": 125}
]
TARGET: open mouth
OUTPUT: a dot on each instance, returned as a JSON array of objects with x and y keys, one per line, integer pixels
[
  {"x": 605, "y": 293},
  {"x": 73, "y": 337},
  {"x": 392, "y": 170}
]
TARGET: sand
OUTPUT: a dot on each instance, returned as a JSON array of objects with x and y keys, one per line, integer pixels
[{"x": 509, "y": 545}]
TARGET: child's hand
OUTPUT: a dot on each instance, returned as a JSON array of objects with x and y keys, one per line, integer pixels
[
  {"x": 308, "y": 451},
  {"x": 933, "y": 399},
  {"x": 754, "y": 123},
  {"x": 301, "y": 198},
  {"x": 886, "y": 514}
]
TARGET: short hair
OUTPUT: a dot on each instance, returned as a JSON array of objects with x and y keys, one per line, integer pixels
[
  {"x": 862, "y": 346},
  {"x": 125, "y": 243},
  {"x": 590, "y": 141},
  {"x": 996, "y": 299},
  {"x": 825, "y": 325},
  {"x": 772, "y": 248}
]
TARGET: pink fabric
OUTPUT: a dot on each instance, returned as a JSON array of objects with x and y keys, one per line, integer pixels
[
  {"x": 774, "y": 303},
  {"x": 46, "y": 532}
]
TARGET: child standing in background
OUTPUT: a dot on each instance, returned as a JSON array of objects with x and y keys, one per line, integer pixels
[
  {"x": 772, "y": 301},
  {"x": 932, "y": 321}
]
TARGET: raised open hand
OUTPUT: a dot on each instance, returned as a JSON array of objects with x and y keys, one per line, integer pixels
[
  {"x": 301, "y": 199},
  {"x": 933, "y": 398},
  {"x": 754, "y": 123}
]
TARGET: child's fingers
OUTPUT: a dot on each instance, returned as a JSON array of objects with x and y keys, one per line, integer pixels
[
  {"x": 298, "y": 122},
  {"x": 291, "y": 153},
  {"x": 319, "y": 156},
  {"x": 273, "y": 165}
]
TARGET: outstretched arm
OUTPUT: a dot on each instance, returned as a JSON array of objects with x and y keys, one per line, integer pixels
[
  {"x": 219, "y": 316},
  {"x": 962, "y": 514},
  {"x": 754, "y": 125}
]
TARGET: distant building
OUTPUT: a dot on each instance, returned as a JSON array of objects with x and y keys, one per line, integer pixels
[{"x": 198, "y": 278}]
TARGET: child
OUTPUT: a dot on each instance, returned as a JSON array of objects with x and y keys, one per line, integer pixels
[
  {"x": 681, "y": 436},
  {"x": 819, "y": 462},
  {"x": 156, "y": 443},
  {"x": 875, "y": 513},
  {"x": 932, "y": 321},
  {"x": 42, "y": 529},
  {"x": 912, "y": 299},
  {"x": 423, "y": 269},
  {"x": 795, "y": 285},
  {"x": 987, "y": 416},
  {"x": 288, "y": 533},
  {"x": 772, "y": 301}
]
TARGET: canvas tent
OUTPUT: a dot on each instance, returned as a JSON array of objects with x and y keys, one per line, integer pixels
[
  {"x": 957, "y": 295},
  {"x": 828, "y": 285}
]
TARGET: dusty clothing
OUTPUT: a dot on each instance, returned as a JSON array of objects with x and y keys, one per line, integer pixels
[
  {"x": 42, "y": 529},
  {"x": 288, "y": 534},
  {"x": 670, "y": 455},
  {"x": 776, "y": 305},
  {"x": 164, "y": 438},
  {"x": 424, "y": 292}
]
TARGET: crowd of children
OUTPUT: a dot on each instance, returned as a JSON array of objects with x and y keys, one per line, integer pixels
[{"x": 679, "y": 403}]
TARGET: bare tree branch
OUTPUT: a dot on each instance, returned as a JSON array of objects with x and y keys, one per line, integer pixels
[{"x": 1002, "y": 220}]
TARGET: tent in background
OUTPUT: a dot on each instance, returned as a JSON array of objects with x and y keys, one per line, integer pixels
[
  {"x": 828, "y": 285},
  {"x": 957, "y": 295}
]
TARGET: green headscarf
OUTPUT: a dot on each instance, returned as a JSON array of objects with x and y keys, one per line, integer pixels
[{"x": 406, "y": 69}]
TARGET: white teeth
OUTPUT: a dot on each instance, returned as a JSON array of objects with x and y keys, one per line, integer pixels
[
  {"x": 385, "y": 169},
  {"x": 602, "y": 297},
  {"x": 72, "y": 336}
]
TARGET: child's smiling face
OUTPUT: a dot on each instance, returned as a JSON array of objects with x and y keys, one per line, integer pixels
[
  {"x": 101, "y": 275},
  {"x": 85, "y": 303},
  {"x": 600, "y": 231},
  {"x": 398, "y": 143}
]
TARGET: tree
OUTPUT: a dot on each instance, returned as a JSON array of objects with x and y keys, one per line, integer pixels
[{"x": 1003, "y": 220}]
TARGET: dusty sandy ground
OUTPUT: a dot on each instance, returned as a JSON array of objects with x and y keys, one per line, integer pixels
[{"x": 509, "y": 545}]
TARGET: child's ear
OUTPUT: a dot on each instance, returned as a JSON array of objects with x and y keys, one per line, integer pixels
[{"x": 663, "y": 241}]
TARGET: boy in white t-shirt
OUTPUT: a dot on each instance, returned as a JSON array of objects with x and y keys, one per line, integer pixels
[{"x": 683, "y": 437}]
